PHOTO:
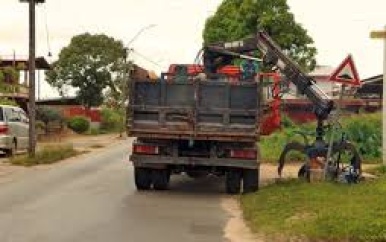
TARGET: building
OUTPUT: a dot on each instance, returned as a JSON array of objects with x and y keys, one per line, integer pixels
[
  {"x": 70, "y": 107},
  {"x": 300, "y": 109},
  {"x": 14, "y": 84}
]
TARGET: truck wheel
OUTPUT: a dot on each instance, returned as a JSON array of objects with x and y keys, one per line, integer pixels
[
  {"x": 250, "y": 180},
  {"x": 233, "y": 181},
  {"x": 161, "y": 179},
  {"x": 142, "y": 178}
]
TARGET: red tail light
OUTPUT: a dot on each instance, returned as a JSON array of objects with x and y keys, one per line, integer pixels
[
  {"x": 3, "y": 129},
  {"x": 145, "y": 149},
  {"x": 243, "y": 154}
]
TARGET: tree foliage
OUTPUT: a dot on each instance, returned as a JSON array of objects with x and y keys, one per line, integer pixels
[
  {"x": 90, "y": 63},
  {"x": 47, "y": 115},
  {"x": 237, "y": 19}
]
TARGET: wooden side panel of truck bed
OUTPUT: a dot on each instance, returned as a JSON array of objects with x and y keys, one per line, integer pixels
[{"x": 200, "y": 110}]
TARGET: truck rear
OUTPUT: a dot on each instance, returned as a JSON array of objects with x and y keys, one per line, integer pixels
[{"x": 187, "y": 124}]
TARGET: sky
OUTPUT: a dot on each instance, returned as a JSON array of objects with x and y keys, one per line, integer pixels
[{"x": 338, "y": 28}]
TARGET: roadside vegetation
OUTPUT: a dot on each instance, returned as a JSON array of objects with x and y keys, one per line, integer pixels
[
  {"x": 364, "y": 130},
  {"x": 321, "y": 211},
  {"x": 48, "y": 155},
  {"x": 111, "y": 122},
  {"x": 79, "y": 124}
]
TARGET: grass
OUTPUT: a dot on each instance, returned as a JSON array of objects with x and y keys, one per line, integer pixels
[
  {"x": 320, "y": 211},
  {"x": 363, "y": 130},
  {"x": 48, "y": 155}
]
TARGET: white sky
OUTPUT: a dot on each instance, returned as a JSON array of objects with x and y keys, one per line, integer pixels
[{"x": 337, "y": 27}]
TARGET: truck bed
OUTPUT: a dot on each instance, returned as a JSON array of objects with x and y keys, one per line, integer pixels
[{"x": 201, "y": 110}]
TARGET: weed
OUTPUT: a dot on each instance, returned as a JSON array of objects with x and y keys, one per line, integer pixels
[{"x": 48, "y": 155}]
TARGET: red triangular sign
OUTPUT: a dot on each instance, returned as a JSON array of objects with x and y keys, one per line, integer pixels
[{"x": 346, "y": 73}]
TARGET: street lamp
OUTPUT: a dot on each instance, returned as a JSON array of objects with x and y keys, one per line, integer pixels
[
  {"x": 32, "y": 68},
  {"x": 140, "y": 32}
]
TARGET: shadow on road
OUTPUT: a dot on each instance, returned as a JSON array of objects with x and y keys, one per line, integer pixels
[{"x": 208, "y": 185}]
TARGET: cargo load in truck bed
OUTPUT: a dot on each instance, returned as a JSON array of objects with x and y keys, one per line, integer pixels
[{"x": 194, "y": 109}]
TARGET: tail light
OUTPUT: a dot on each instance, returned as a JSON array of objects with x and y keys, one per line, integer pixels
[
  {"x": 243, "y": 154},
  {"x": 3, "y": 129},
  {"x": 145, "y": 149}
]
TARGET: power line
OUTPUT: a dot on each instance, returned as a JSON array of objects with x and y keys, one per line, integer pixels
[
  {"x": 47, "y": 31},
  {"x": 147, "y": 59}
]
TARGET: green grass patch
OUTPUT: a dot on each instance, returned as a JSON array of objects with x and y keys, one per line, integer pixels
[
  {"x": 363, "y": 130},
  {"x": 319, "y": 212},
  {"x": 48, "y": 155}
]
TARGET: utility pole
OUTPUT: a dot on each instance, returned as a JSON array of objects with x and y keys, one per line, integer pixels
[
  {"x": 382, "y": 35},
  {"x": 128, "y": 65},
  {"x": 32, "y": 68}
]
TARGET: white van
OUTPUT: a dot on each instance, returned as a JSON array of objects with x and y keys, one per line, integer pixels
[{"x": 13, "y": 129}]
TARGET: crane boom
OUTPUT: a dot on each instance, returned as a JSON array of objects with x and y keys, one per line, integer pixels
[{"x": 222, "y": 54}]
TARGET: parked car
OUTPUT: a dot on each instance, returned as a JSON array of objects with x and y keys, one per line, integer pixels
[{"x": 13, "y": 129}]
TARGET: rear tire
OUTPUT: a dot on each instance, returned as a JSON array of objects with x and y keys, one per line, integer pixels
[
  {"x": 233, "y": 181},
  {"x": 250, "y": 180},
  {"x": 161, "y": 179},
  {"x": 143, "y": 178}
]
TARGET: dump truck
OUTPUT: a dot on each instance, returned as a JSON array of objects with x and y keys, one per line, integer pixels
[{"x": 200, "y": 120}]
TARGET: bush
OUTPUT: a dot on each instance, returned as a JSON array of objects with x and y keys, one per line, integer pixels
[
  {"x": 364, "y": 130},
  {"x": 47, "y": 155},
  {"x": 79, "y": 124},
  {"x": 111, "y": 120}
]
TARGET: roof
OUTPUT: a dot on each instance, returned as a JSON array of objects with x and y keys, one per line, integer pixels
[
  {"x": 378, "y": 78},
  {"x": 372, "y": 86},
  {"x": 322, "y": 71},
  {"x": 59, "y": 101},
  {"x": 41, "y": 63}
]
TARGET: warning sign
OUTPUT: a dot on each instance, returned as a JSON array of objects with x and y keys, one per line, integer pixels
[{"x": 346, "y": 73}]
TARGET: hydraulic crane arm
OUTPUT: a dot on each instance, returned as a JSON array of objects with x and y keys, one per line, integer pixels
[{"x": 222, "y": 54}]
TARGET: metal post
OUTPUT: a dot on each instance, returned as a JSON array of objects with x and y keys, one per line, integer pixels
[
  {"x": 333, "y": 127},
  {"x": 384, "y": 104},
  {"x": 32, "y": 111},
  {"x": 382, "y": 35}
]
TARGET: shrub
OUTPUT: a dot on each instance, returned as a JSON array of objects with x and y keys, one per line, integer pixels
[
  {"x": 111, "y": 120},
  {"x": 79, "y": 124},
  {"x": 363, "y": 130}
]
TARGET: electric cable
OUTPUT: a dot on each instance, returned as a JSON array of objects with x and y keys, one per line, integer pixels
[
  {"x": 147, "y": 59},
  {"x": 47, "y": 31}
]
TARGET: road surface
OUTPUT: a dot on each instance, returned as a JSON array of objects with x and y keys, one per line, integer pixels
[{"x": 93, "y": 198}]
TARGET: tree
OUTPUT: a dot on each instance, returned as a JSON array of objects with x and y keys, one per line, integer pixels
[
  {"x": 90, "y": 63},
  {"x": 237, "y": 19},
  {"x": 48, "y": 115}
]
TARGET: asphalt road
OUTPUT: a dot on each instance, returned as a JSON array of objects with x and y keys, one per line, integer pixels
[{"x": 93, "y": 198}]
